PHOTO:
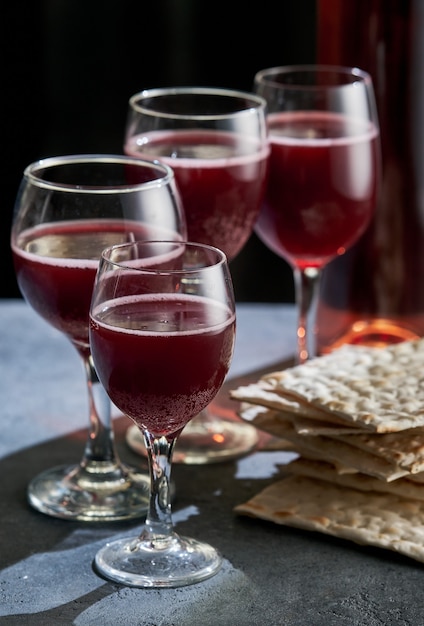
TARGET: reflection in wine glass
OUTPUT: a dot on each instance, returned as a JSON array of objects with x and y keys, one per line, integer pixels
[
  {"x": 68, "y": 209},
  {"x": 215, "y": 141},
  {"x": 324, "y": 173},
  {"x": 162, "y": 331}
]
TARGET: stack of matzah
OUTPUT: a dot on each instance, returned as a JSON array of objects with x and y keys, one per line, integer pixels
[{"x": 356, "y": 419}]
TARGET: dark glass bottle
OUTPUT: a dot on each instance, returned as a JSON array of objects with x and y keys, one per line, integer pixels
[{"x": 374, "y": 294}]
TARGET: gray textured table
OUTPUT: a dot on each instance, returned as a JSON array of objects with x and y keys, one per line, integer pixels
[{"x": 271, "y": 575}]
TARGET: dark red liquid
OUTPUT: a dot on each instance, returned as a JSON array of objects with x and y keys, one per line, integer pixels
[
  {"x": 374, "y": 295},
  {"x": 322, "y": 186},
  {"x": 56, "y": 265},
  {"x": 221, "y": 183},
  {"x": 169, "y": 364}
]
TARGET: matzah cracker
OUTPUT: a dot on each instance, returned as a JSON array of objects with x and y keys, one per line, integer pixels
[
  {"x": 368, "y": 361},
  {"x": 403, "y": 450},
  {"x": 263, "y": 394},
  {"x": 380, "y": 389},
  {"x": 257, "y": 415},
  {"x": 384, "y": 405},
  {"x": 332, "y": 449},
  {"x": 327, "y": 449},
  {"x": 402, "y": 487},
  {"x": 416, "y": 478},
  {"x": 382, "y": 520}
]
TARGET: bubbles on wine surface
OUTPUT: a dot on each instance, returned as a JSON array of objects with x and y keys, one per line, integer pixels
[
  {"x": 83, "y": 240},
  {"x": 184, "y": 151},
  {"x": 317, "y": 127},
  {"x": 194, "y": 145},
  {"x": 72, "y": 245},
  {"x": 171, "y": 314}
]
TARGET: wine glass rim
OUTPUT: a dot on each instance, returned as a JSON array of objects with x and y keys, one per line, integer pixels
[
  {"x": 254, "y": 102},
  {"x": 30, "y": 172},
  {"x": 221, "y": 257},
  {"x": 266, "y": 75}
]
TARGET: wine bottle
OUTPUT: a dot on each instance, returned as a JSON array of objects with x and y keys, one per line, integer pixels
[{"x": 374, "y": 294}]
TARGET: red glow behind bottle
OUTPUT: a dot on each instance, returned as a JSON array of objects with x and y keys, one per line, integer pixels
[{"x": 374, "y": 293}]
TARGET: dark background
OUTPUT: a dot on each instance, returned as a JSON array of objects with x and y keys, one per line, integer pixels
[{"x": 70, "y": 66}]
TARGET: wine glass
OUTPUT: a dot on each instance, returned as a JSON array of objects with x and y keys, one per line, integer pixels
[
  {"x": 215, "y": 140},
  {"x": 162, "y": 329},
  {"x": 324, "y": 174},
  {"x": 68, "y": 209}
]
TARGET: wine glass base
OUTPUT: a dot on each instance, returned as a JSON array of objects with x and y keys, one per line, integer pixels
[
  {"x": 145, "y": 563},
  {"x": 71, "y": 492},
  {"x": 205, "y": 441}
]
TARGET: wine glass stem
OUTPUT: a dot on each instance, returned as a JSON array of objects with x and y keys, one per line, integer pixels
[
  {"x": 158, "y": 528},
  {"x": 306, "y": 291},
  {"x": 100, "y": 445}
]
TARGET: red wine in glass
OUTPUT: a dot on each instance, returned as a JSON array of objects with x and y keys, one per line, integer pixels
[
  {"x": 56, "y": 265},
  {"x": 322, "y": 185},
  {"x": 215, "y": 141},
  {"x": 324, "y": 174},
  {"x": 143, "y": 369},
  {"x": 162, "y": 331},
  {"x": 68, "y": 209},
  {"x": 221, "y": 180}
]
